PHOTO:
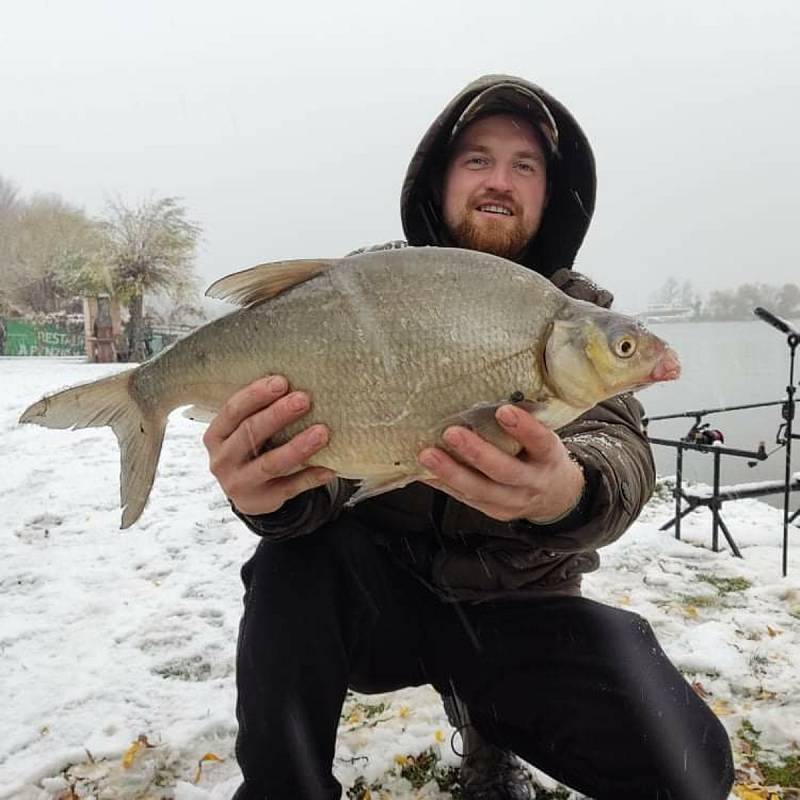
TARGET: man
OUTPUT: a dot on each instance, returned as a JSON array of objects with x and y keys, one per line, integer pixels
[{"x": 471, "y": 581}]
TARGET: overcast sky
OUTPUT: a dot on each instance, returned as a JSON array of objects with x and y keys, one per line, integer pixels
[{"x": 287, "y": 127}]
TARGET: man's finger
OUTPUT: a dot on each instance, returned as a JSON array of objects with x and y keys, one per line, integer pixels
[
  {"x": 243, "y": 404},
  {"x": 302, "y": 481},
  {"x": 248, "y": 439},
  {"x": 538, "y": 441},
  {"x": 287, "y": 458},
  {"x": 469, "y": 486},
  {"x": 282, "y": 489},
  {"x": 485, "y": 457}
]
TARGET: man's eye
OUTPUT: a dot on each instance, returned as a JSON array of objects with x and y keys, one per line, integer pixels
[
  {"x": 526, "y": 167},
  {"x": 477, "y": 161}
]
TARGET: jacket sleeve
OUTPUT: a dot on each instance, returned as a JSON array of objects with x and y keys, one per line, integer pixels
[{"x": 609, "y": 442}]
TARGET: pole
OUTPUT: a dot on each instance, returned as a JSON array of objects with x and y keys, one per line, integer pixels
[
  {"x": 793, "y": 341},
  {"x": 678, "y": 490}
]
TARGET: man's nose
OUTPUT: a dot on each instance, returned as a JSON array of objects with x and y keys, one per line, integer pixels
[{"x": 500, "y": 178}]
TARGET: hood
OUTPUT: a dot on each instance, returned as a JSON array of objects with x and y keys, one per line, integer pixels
[{"x": 571, "y": 175}]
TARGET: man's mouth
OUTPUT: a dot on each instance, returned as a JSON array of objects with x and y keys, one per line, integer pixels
[{"x": 494, "y": 208}]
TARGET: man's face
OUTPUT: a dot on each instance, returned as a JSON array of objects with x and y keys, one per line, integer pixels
[{"x": 495, "y": 186}]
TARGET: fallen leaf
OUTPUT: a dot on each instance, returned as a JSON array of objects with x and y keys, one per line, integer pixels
[
  {"x": 133, "y": 751},
  {"x": 439, "y": 735},
  {"x": 401, "y": 760},
  {"x": 749, "y": 793},
  {"x": 700, "y": 690},
  {"x": 721, "y": 708},
  {"x": 624, "y": 599},
  {"x": 403, "y": 712},
  {"x": 206, "y": 757},
  {"x": 690, "y": 611},
  {"x": 766, "y": 695},
  {"x": 773, "y": 631}
]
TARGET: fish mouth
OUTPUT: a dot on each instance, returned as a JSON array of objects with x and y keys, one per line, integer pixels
[{"x": 668, "y": 367}]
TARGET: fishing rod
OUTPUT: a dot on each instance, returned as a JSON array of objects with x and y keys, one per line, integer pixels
[{"x": 705, "y": 411}]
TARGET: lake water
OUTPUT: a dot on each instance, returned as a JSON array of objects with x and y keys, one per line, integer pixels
[{"x": 725, "y": 364}]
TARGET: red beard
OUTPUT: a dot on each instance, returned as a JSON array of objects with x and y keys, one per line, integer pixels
[{"x": 496, "y": 237}]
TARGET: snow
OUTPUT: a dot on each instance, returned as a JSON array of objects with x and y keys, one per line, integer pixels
[{"x": 108, "y": 635}]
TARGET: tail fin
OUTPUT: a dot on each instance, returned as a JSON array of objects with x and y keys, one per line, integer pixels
[{"x": 108, "y": 402}]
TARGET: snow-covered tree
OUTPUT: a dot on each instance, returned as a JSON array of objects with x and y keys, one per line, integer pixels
[{"x": 149, "y": 247}]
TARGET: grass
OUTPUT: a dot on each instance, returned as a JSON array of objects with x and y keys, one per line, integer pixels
[
  {"x": 725, "y": 585},
  {"x": 774, "y": 770}
]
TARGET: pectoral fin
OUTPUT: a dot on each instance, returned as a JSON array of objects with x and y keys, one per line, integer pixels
[
  {"x": 251, "y": 286},
  {"x": 480, "y": 418}
]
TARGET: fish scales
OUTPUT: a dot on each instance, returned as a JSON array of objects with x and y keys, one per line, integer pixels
[
  {"x": 367, "y": 340},
  {"x": 392, "y": 346}
]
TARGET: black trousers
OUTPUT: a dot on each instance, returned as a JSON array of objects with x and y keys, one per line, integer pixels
[{"x": 579, "y": 689}]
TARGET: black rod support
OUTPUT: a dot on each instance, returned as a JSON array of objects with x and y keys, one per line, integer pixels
[{"x": 757, "y": 455}]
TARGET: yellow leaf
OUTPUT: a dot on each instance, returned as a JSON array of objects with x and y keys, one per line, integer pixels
[
  {"x": 690, "y": 611},
  {"x": 721, "y": 708},
  {"x": 773, "y": 631},
  {"x": 764, "y": 694},
  {"x": 401, "y": 760},
  {"x": 129, "y": 756},
  {"x": 624, "y": 599},
  {"x": 403, "y": 712},
  {"x": 746, "y": 793},
  {"x": 439, "y": 735},
  {"x": 355, "y": 716},
  {"x": 206, "y": 757}
]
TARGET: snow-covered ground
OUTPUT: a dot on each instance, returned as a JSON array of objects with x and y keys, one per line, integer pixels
[{"x": 106, "y": 636}]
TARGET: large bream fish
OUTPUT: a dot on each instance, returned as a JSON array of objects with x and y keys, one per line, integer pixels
[{"x": 393, "y": 346}]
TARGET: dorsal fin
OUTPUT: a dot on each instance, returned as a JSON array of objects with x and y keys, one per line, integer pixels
[{"x": 251, "y": 286}]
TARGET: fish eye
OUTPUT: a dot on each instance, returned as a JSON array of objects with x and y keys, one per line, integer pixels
[{"x": 625, "y": 346}]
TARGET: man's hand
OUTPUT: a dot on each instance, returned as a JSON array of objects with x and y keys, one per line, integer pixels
[
  {"x": 261, "y": 482},
  {"x": 541, "y": 483}
]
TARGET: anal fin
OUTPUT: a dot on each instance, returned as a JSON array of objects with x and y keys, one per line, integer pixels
[{"x": 199, "y": 414}]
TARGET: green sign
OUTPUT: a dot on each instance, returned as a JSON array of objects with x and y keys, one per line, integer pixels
[{"x": 29, "y": 339}]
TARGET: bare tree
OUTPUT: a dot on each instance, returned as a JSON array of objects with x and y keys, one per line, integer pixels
[{"x": 150, "y": 247}]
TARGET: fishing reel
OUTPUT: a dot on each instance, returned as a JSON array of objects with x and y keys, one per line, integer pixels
[{"x": 704, "y": 434}]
